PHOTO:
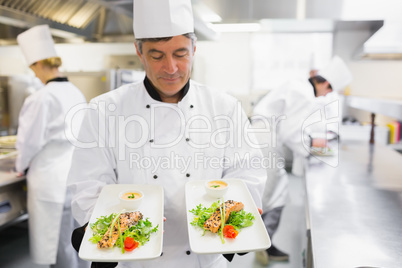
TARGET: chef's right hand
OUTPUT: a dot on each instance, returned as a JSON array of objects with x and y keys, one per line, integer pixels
[
  {"x": 76, "y": 240},
  {"x": 319, "y": 142},
  {"x": 103, "y": 264}
]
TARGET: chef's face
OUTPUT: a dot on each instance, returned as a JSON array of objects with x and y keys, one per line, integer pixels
[
  {"x": 323, "y": 89},
  {"x": 168, "y": 65}
]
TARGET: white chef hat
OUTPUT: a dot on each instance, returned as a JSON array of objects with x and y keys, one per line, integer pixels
[
  {"x": 336, "y": 73},
  {"x": 37, "y": 44},
  {"x": 162, "y": 18}
]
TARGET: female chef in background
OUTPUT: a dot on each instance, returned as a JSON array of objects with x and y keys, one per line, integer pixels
[{"x": 44, "y": 152}]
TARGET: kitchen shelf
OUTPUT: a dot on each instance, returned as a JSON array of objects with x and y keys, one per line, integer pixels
[
  {"x": 396, "y": 146},
  {"x": 391, "y": 108}
]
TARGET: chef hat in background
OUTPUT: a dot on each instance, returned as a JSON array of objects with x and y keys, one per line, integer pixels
[
  {"x": 336, "y": 73},
  {"x": 162, "y": 18},
  {"x": 37, "y": 44}
]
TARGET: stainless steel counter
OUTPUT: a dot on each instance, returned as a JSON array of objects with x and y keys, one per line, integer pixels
[
  {"x": 7, "y": 173},
  {"x": 392, "y": 108},
  {"x": 13, "y": 192},
  {"x": 355, "y": 208}
]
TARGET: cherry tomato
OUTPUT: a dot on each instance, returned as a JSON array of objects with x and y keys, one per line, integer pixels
[
  {"x": 130, "y": 244},
  {"x": 232, "y": 233},
  {"x": 227, "y": 228},
  {"x": 229, "y": 231}
]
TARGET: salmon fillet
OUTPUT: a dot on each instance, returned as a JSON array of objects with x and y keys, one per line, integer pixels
[
  {"x": 214, "y": 222},
  {"x": 127, "y": 220}
]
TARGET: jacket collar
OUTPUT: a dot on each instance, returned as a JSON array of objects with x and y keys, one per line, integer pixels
[
  {"x": 57, "y": 79},
  {"x": 155, "y": 95}
]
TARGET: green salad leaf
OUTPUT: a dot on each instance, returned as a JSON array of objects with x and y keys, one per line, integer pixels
[
  {"x": 202, "y": 214},
  {"x": 140, "y": 232},
  {"x": 240, "y": 219}
]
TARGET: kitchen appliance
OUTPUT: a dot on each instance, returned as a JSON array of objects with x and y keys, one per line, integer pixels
[
  {"x": 4, "y": 111},
  {"x": 13, "y": 91},
  {"x": 119, "y": 77},
  {"x": 124, "y": 69}
]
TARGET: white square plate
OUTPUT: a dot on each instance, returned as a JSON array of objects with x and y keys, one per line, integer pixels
[
  {"x": 108, "y": 202},
  {"x": 252, "y": 238}
]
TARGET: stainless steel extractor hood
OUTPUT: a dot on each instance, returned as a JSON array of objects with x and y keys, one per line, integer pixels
[
  {"x": 385, "y": 44},
  {"x": 111, "y": 20},
  {"x": 72, "y": 20}
]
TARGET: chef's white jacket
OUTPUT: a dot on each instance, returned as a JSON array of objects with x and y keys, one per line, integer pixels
[
  {"x": 284, "y": 110},
  {"x": 43, "y": 148},
  {"x": 287, "y": 108},
  {"x": 293, "y": 113},
  {"x": 126, "y": 126}
]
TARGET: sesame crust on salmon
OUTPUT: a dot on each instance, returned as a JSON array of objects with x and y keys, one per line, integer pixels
[
  {"x": 126, "y": 220},
  {"x": 214, "y": 222}
]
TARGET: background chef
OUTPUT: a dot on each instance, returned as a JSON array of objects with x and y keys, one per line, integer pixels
[
  {"x": 165, "y": 43},
  {"x": 45, "y": 153},
  {"x": 297, "y": 99},
  {"x": 283, "y": 112}
]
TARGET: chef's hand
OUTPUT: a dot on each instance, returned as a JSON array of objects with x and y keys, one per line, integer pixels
[
  {"x": 260, "y": 210},
  {"x": 319, "y": 142},
  {"x": 230, "y": 257},
  {"x": 76, "y": 240},
  {"x": 103, "y": 264},
  {"x": 77, "y": 236},
  {"x": 19, "y": 174}
]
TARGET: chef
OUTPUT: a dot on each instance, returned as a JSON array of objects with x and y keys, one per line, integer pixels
[
  {"x": 167, "y": 115},
  {"x": 291, "y": 104},
  {"x": 45, "y": 153},
  {"x": 282, "y": 113}
]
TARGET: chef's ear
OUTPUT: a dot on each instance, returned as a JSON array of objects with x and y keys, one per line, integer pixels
[
  {"x": 138, "y": 52},
  {"x": 328, "y": 85}
]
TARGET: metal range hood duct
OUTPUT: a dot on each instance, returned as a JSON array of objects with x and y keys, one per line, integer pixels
[
  {"x": 385, "y": 44},
  {"x": 75, "y": 20},
  {"x": 384, "y": 40},
  {"x": 111, "y": 20}
]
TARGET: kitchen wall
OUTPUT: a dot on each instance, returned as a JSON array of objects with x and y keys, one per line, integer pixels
[
  {"x": 85, "y": 57},
  {"x": 225, "y": 64},
  {"x": 371, "y": 78},
  {"x": 85, "y": 64}
]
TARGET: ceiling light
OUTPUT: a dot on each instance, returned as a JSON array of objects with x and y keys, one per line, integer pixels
[
  {"x": 205, "y": 13},
  {"x": 236, "y": 27},
  {"x": 62, "y": 34}
]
